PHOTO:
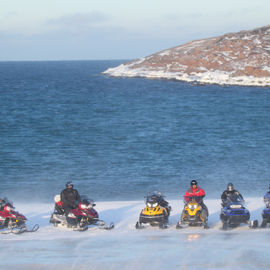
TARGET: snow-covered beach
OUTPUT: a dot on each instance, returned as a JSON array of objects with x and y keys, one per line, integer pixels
[
  {"x": 127, "y": 248},
  {"x": 118, "y": 139}
]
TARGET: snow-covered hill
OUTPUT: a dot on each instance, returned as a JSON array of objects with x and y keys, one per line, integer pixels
[{"x": 241, "y": 58}]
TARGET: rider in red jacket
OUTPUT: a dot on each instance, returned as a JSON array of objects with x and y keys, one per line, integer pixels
[{"x": 195, "y": 191}]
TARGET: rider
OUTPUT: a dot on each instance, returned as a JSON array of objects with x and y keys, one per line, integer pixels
[
  {"x": 2, "y": 204},
  {"x": 69, "y": 198},
  {"x": 195, "y": 191},
  {"x": 266, "y": 198},
  {"x": 229, "y": 192},
  {"x": 157, "y": 196}
]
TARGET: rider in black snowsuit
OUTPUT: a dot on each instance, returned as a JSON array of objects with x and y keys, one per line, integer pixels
[
  {"x": 70, "y": 198},
  {"x": 229, "y": 192},
  {"x": 2, "y": 203}
]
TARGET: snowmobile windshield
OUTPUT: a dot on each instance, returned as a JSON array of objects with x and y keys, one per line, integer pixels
[
  {"x": 197, "y": 199},
  {"x": 155, "y": 194},
  {"x": 235, "y": 199},
  {"x": 158, "y": 193},
  {"x": 85, "y": 199},
  {"x": 266, "y": 199},
  {"x": 154, "y": 197},
  {"x": 7, "y": 201}
]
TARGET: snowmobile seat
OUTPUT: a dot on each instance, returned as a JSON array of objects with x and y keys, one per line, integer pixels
[{"x": 58, "y": 209}]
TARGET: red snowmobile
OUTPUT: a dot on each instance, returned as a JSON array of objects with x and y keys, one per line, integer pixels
[
  {"x": 12, "y": 221},
  {"x": 79, "y": 218}
]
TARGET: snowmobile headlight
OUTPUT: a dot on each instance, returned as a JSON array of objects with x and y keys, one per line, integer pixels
[
  {"x": 192, "y": 206},
  {"x": 235, "y": 206},
  {"x": 152, "y": 205}
]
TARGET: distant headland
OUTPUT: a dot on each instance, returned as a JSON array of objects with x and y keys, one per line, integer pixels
[{"x": 241, "y": 58}]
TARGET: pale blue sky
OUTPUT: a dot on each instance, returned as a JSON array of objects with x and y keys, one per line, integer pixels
[{"x": 117, "y": 29}]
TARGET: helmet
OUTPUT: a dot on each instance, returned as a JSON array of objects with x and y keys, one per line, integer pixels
[
  {"x": 193, "y": 182},
  {"x": 230, "y": 187},
  {"x": 57, "y": 198},
  {"x": 68, "y": 184}
]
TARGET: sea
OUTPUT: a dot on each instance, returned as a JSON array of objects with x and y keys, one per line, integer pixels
[{"x": 117, "y": 139}]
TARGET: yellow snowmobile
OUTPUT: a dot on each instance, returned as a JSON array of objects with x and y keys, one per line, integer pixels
[
  {"x": 194, "y": 214},
  {"x": 156, "y": 211}
]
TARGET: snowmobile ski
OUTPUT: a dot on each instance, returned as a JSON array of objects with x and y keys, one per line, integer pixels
[
  {"x": 20, "y": 230},
  {"x": 80, "y": 229},
  {"x": 253, "y": 224},
  {"x": 111, "y": 226},
  {"x": 102, "y": 225},
  {"x": 34, "y": 229}
]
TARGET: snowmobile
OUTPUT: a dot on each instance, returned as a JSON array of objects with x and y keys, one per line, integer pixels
[
  {"x": 234, "y": 213},
  {"x": 79, "y": 218},
  {"x": 266, "y": 213},
  {"x": 156, "y": 212},
  {"x": 193, "y": 214},
  {"x": 12, "y": 221}
]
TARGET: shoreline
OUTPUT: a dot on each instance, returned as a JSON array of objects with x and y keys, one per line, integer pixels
[{"x": 208, "y": 77}]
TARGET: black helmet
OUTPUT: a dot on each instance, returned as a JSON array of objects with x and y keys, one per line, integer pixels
[
  {"x": 69, "y": 183},
  {"x": 193, "y": 182},
  {"x": 230, "y": 187}
]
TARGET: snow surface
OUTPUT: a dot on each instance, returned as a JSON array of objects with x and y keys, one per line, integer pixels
[
  {"x": 127, "y": 248},
  {"x": 209, "y": 77}
]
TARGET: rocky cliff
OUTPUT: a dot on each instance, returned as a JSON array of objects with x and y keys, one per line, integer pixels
[{"x": 241, "y": 58}]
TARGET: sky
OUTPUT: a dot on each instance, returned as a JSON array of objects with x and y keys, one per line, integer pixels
[{"x": 117, "y": 29}]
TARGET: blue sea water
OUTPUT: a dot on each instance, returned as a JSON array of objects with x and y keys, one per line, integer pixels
[{"x": 118, "y": 138}]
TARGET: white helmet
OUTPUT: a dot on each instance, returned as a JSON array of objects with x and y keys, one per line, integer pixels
[{"x": 57, "y": 198}]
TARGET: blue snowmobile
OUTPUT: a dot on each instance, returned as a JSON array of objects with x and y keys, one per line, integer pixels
[{"x": 234, "y": 213}]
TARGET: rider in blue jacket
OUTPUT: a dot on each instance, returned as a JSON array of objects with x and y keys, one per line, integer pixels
[{"x": 266, "y": 198}]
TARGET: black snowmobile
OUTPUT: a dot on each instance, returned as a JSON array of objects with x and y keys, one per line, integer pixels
[
  {"x": 156, "y": 211},
  {"x": 234, "y": 213}
]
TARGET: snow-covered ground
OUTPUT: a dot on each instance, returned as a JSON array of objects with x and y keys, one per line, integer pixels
[
  {"x": 205, "y": 77},
  {"x": 124, "y": 247}
]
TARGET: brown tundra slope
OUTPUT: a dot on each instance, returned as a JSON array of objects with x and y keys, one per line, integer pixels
[{"x": 241, "y": 58}]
